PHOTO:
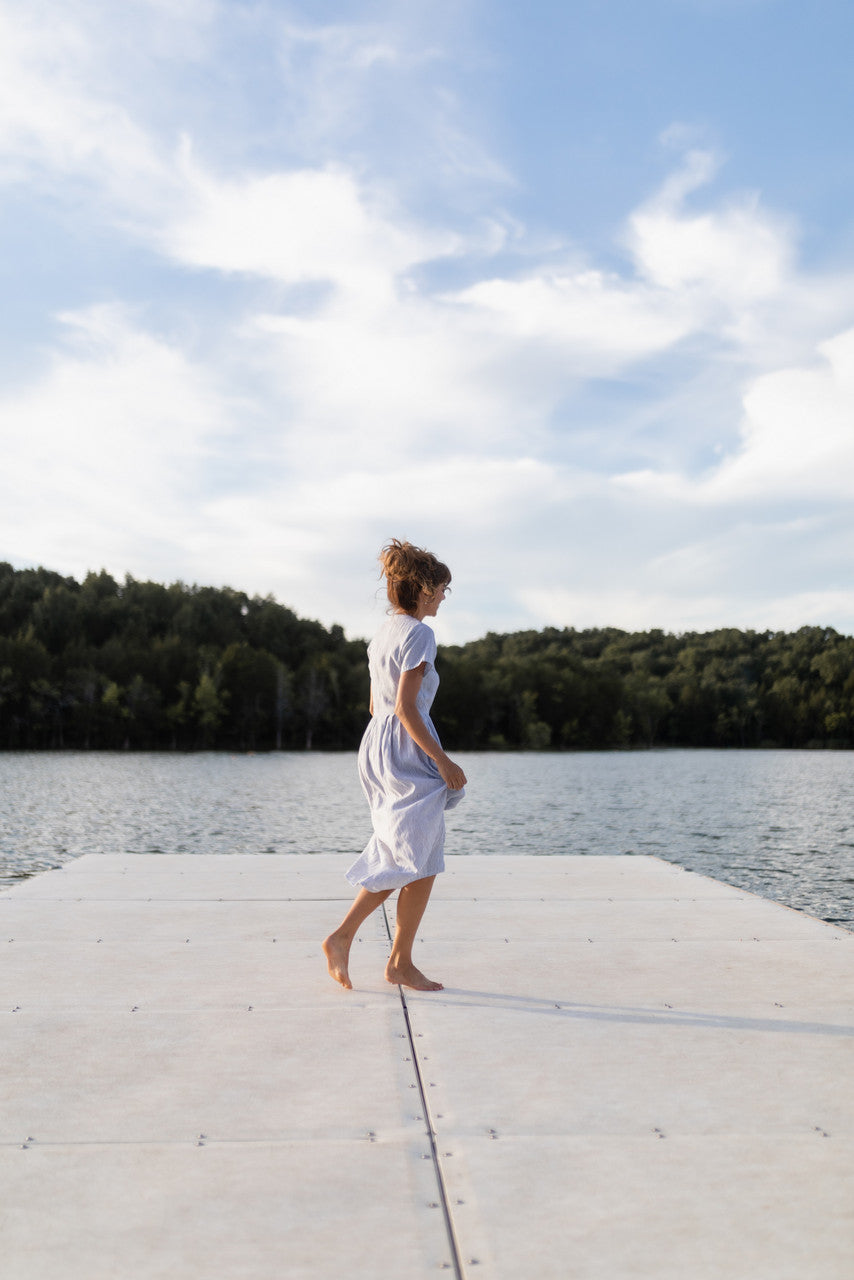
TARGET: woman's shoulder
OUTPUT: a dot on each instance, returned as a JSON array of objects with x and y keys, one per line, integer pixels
[
  {"x": 418, "y": 639},
  {"x": 403, "y": 633},
  {"x": 412, "y": 627},
  {"x": 388, "y": 634}
]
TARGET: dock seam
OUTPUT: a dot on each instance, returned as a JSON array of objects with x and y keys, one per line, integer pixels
[{"x": 444, "y": 1204}]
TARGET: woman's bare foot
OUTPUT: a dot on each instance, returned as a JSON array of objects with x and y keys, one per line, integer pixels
[
  {"x": 406, "y": 975},
  {"x": 337, "y": 952}
]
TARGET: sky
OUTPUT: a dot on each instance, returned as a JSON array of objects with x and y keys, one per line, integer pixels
[{"x": 562, "y": 291}]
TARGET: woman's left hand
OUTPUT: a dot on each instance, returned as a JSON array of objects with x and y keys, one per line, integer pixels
[{"x": 452, "y": 775}]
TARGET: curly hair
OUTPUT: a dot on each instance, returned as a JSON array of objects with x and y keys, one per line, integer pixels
[{"x": 408, "y": 571}]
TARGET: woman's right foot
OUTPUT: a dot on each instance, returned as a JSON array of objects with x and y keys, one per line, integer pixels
[
  {"x": 337, "y": 954},
  {"x": 408, "y": 976}
]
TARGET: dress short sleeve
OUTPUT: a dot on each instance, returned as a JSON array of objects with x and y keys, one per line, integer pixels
[{"x": 418, "y": 646}]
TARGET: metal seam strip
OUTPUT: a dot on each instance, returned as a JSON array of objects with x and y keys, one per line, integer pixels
[{"x": 453, "y": 1245}]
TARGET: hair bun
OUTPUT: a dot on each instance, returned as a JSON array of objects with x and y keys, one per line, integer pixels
[{"x": 408, "y": 571}]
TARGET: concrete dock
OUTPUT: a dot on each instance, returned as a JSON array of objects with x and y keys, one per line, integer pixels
[{"x": 633, "y": 1072}]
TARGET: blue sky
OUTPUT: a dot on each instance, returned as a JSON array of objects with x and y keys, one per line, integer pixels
[{"x": 563, "y": 291}]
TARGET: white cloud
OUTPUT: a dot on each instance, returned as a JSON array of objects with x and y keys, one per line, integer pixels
[
  {"x": 306, "y": 225},
  {"x": 301, "y": 534},
  {"x": 796, "y": 440},
  {"x": 397, "y": 373},
  {"x": 598, "y": 322},
  {"x": 808, "y": 609},
  {"x": 52, "y": 124},
  {"x": 798, "y": 432},
  {"x": 324, "y": 73},
  {"x": 629, "y": 609},
  {"x": 713, "y": 276},
  {"x": 380, "y": 385},
  {"x": 102, "y": 459},
  {"x": 624, "y": 606},
  {"x": 737, "y": 255},
  {"x": 349, "y": 87}
]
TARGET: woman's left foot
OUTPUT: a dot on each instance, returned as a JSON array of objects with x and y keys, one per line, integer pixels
[
  {"x": 337, "y": 955},
  {"x": 409, "y": 976}
]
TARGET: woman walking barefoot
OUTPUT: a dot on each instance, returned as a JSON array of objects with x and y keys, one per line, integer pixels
[{"x": 407, "y": 777}]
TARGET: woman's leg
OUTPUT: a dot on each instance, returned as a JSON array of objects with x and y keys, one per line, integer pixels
[
  {"x": 411, "y": 905},
  {"x": 336, "y": 948}
]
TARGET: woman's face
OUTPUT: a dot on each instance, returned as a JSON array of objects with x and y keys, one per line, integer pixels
[{"x": 430, "y": 603}]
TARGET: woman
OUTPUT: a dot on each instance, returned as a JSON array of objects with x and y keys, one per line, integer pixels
[{"x": 405, "y": 774}]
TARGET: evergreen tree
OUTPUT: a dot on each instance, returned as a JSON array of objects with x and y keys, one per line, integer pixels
[{"x": 140, "y": 665}]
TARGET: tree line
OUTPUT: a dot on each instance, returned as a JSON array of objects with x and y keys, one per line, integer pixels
[{"x": 136, "y": 665}]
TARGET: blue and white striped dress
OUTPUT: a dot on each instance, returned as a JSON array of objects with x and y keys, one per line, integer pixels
[{"x": 403, "y": 785}]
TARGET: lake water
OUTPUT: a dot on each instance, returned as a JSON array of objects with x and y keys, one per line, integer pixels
[{"x": 779, "y": 823}]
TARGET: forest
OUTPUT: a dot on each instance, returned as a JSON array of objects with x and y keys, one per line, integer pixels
[{"x": 104, "y": 665}]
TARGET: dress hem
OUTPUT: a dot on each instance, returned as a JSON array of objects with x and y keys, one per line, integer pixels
[{"x": 390, "y": 880}]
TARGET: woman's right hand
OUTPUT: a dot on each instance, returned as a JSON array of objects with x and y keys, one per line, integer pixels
[{"x": 452, "y": 775}]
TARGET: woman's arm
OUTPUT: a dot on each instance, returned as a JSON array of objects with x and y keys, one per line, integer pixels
[{"x": 406, "y": 710}]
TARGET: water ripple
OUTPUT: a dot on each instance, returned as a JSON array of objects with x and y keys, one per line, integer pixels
[{"x": 772, "y": 822}]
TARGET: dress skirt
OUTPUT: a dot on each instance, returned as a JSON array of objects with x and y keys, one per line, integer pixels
[{"x": 408, "y": 799}]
